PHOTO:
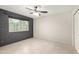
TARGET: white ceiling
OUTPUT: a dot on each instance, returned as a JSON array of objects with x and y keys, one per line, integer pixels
[{"x": 52, "y": 9}]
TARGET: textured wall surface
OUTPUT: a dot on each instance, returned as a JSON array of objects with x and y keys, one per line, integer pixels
[{"x": 7, "y": 37}]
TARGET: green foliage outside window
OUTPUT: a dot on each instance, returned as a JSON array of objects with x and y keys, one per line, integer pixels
[{"x": 16, "y": 25}]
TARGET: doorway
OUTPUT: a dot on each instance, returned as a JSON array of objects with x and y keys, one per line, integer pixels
[{"x": 76, "y": 29}]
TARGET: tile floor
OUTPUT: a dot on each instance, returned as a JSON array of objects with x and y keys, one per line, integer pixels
[{"x": 37, "y": 46}]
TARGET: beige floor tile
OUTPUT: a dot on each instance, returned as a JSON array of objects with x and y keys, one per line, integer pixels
[{"x": 37, "y": 46}]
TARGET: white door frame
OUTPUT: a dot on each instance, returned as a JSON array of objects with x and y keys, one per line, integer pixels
[{"x": 73, "y": 29}]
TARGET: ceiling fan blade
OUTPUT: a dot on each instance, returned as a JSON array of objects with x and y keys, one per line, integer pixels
[
  {"x": 31, "y": 13},
  {"x": 43, "y": 11},
  {"x": 30, "y": 9}
]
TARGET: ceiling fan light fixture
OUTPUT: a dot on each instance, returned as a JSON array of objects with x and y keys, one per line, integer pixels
[{"x": 36, "y": 14}]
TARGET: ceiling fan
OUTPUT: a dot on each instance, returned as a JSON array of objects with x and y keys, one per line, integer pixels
[{"x": 36, "y": 11}]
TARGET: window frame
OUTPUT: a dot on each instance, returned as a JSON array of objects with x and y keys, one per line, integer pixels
[{"x": 21, "y": 25}]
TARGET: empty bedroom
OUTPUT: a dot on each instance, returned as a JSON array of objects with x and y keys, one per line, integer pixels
[{"x": 39, "y": 29}]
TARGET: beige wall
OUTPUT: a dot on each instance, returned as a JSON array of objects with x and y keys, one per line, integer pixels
[{"x": 54, "y": 27}]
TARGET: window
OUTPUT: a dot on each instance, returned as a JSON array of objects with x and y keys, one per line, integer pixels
[{"x": 16, "y": 25}]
